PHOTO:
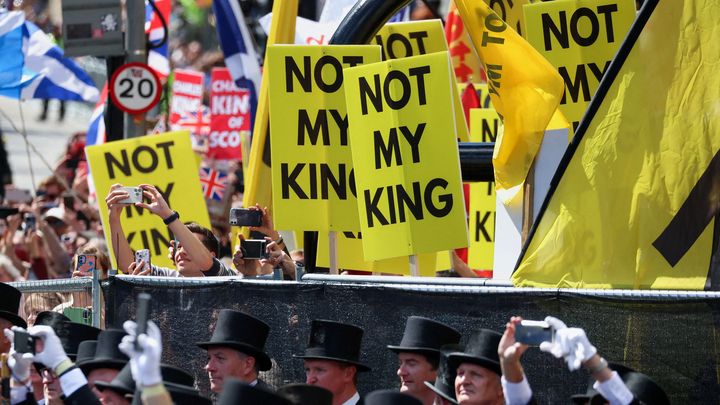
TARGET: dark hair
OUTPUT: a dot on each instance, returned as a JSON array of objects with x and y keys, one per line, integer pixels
[{"x": 209, "y": 240}]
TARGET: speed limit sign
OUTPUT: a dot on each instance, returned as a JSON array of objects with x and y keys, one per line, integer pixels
[{"x": 135, "y": 88}]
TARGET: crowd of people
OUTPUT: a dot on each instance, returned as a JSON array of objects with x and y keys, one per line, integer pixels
[{"x": 53, "y": 361}]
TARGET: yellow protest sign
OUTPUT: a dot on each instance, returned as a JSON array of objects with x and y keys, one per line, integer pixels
[
  {"x": 313, "y": 183},
  {"x": 413, "y": 38},
  {"x": 511, "y": 11},
  {"x": 160, "y": 160},
  {"x": 579, "y": 38},
  {"x": 407, "y": 169}
]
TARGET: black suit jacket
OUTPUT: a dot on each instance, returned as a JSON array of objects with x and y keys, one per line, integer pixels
[{"x": 262, "y": 384}]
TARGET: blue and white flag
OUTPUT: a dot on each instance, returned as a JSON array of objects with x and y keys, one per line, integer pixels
[
  {"x": 13, "y": 74},
  {"x": 60, "y": 77},
  {"x": 238, "y": 48}
]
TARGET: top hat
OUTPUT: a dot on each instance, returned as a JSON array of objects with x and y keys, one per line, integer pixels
[
  {"x": 237, "y": 392},
  {"x": 444, "y": 385},
  {"x": 425, "y": 335},
  {"x": 180, "y": 395},
  {"x": 481, "y": 349},
  {"x": 301, "y": 394},
  {"x": 10, "y": 304},
  {"x": 71, "y": 334},
  {"x": 107, "y": 353},
  {"x": 330, "y": 340},
  {"x": 640, "y": 385},
  {"x": 243, "y": 332},
  {"x": 390, "y": 397},
  {"x": 85, "y": 351},
  {"x": 124, "y": 384},
  {"x": 50, "y": 318}
]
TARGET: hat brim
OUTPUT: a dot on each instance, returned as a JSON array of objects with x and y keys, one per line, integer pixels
[
  {"x": 15, "y": 319},
  {"x": 454, "y": 360},
  {"x": 91, "y": 365},
  {"x": 360, "y": 366},
  {"x": 102, "y": 385},
  {"x": 419, "y": 350},
  {"x": 440, "y": 393},
  {"x": 262, "y": 359}
]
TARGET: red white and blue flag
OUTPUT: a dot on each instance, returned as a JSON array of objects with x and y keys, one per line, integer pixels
[
  {"x": 213, "y": 183},
  {"x": 158, "y": 57},
  {"x": 96, "y": 130},
  {"x": 197, "y": 122}
]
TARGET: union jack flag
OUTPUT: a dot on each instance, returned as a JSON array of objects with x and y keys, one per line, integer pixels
[
  {"x": 213, "y": 183},
  {"x": 197, "y": 122}
]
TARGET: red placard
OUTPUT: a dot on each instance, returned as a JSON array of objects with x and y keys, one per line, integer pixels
[
  {"x": 230, "y": 112},
  {"x": 186, "y": 105}
]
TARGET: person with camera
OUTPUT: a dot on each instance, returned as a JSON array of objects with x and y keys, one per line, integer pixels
[{"x": 194, "y": 253}]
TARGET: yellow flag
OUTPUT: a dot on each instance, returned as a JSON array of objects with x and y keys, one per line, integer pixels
[
  {"x": 637, "y": 201},
  {"x": 525, "y": 90}
]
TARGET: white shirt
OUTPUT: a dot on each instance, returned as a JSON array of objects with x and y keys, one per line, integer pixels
[{"x": 353, "y": 399}]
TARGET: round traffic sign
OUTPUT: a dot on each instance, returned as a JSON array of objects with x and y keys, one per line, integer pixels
[{"x": 135, "y": 88}]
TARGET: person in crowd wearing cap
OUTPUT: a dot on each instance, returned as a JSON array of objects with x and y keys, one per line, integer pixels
[
  {"x": 643, "y": 388},
  {"x": 145, "y": 378},
  {"x": 194, "y": 254},
  {"x": 419, "y": 355},
  {"x": 477, "y": 379},
  {"x": 444, "y": 385},
  {"x": 332, "y": 359},
  {"x": 236, "y": 392},
  {"x": 236, "y": 349},
  {"x": 107, "y": 361},
  {"x": 390, "y": 397},
  {"x": 302, "y": 394}
]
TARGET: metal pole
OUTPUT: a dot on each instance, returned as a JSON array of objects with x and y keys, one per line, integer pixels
[
  {"x": 96, "y": 301},
  {"x": 136, "y": 52}
]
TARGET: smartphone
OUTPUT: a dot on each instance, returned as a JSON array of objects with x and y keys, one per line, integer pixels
[
  {"x": 18, "y": 195},
  {"x": 69, "y": 201},
  {"x": 253, "y": 248},
  {"x": 30, "y": 223},
  {"x": 142, "y": 316},
  {"x": 86, "y": 263},
  {"x": 24, "y": 343},
  {"x": 7, "y": 211},
  {"x": 144, "y": 256},
  {"x": 532, "y": 333},
  {"x": 245, "y": 217},
  {"x": 136, "y": 195}
]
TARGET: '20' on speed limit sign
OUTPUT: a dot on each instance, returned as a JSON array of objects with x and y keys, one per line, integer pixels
[{"x": 135, "y": 88}]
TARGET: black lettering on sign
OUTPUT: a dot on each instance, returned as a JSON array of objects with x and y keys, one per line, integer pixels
[
  {"x": 339, "y": 180},
  {"x": 139, "y": 211},
  {"x": 493, "y": 25},
  {"x": 490, "y": 134},
  {"x": 581, "y": 81},
  {"x": 560, "y": 31},
  {"x": 400, "y": 201},
  {"x": 392, "y": 147},
  {"x": 494, "y": 74},
  {"x": 481, "y": 225},
  {"x": 143, "y": 158},
  {"x": 160, "y": 240},
  {"x": 350, "y": 235},
  {"x": 320, "y": 127},
  {"x": 390, "y": 51},
  {"x": 376, "y": 94},
  {"x": 305, "y": 75}
]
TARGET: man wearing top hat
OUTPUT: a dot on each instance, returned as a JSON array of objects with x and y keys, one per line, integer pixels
[
  {"x": 236, "y": 350},
  {"x": 107, "y": 361},
  {"x": 9, "y": 306},
  {"x": 419, "y": 355},
  {"x": 332, "y": 360},
  {"x": 444, "y": 384},
  {"x": 477, "y": 378}
]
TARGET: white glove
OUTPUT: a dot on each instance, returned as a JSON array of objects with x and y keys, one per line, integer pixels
[
  {"x": 570, "y": 343},
  {"x": 53, "y": 353},
  {"x": 144, "y": 363},
  {"x": 19, "y": 363}
]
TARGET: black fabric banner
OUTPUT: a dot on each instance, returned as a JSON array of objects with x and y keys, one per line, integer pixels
[{"x": 675, "y": 341}]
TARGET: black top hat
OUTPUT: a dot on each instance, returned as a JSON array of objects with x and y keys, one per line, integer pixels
[
  {"x": 107, "y": 353},
  {"x": 444, "y": 385},
  {"x": 71, "y": 334},
  {"x": 237, "y": 392},
  {"x": 640, "y": 385},
  {"x": 390, "y": 397},
  {"x": 50, "y": 318},
  {"x": 243, "y": 332},
  {"x": 301, "y": 394},
  {"x": 481, "y": 349},
  {"x": 85, "y": 352},
  {"x": 124, "y": 384},
  {"x": 425, "y": 335},
  {"x": 330, "y": 340},
  {"x": 10, "y": 304},
  {"x": 180, "y": 395}
]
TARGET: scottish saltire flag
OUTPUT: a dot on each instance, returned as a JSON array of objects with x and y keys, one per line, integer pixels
[
  {"x": 158, "y": 57},
  {"x": 13, "y": 74},
  {"x": 59, "y": 77},
  {"x": 96, "y": 131},
  {"x": 213, "y": 183},
  {"x": 238, "y": 48}
]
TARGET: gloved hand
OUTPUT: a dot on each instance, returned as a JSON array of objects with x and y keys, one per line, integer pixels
[
  {"x": 570, "y": 343},
  {"x": 144, "y": 363},
  {"x": 53, "y": 353},
  {"x": 19, "y": 363}
]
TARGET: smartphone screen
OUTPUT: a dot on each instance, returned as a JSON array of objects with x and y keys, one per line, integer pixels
[{"x": 144, "y": 256}]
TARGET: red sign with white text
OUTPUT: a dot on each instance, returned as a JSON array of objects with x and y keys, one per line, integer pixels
[
  {"x": 230, "y": 112},
  {"x": 186, "y": 106}
]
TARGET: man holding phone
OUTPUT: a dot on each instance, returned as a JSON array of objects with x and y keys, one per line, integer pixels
[{"x": 194, "y": 253}]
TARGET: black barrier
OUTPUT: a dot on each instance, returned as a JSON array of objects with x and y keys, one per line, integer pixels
[{"x": 672, "y": 339}]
